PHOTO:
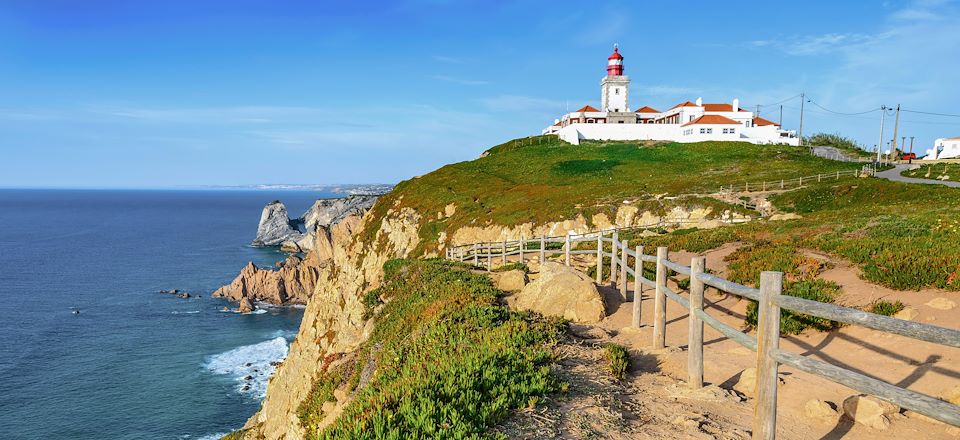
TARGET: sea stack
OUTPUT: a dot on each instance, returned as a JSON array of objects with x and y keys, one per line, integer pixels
[{"x": 275, "y": 226}]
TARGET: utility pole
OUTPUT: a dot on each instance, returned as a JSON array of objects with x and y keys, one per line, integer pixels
[
  {"x": 780, "y": 122},
  {"x": 911, "y": 144},
  {"x": 803, "y": 99},
  {"x": 896, "y": 126},
  {"x": 758, "y": 111},
  {"x": 883, "y": 112}
]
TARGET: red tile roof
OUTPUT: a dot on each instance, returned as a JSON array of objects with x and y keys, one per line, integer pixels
[
  {"x": 587, "y": 108},
  {"x": 683, "y": 104},
  {"x": 760, "y": 122},
  {"x": 711, "y": 119},
  {"x": 720, "y": 108},
  {"x": 647, "y": 109}
]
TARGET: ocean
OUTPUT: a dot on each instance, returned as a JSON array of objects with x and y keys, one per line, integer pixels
[{"x": 134, "y": 363}]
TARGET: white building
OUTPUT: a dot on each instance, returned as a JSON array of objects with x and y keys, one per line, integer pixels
[
  {"x": 945, "y": 148},
  {"x": 684, "y": 122}
]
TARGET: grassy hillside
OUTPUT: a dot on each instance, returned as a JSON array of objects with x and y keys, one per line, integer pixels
[
  {"x": 517, "y": 182},
  {"x": 449, "y": 360},
  {"x": 942, "y": 171}
]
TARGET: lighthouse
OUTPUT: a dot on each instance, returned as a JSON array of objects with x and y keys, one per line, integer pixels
[{"x": 613, "y": 87}]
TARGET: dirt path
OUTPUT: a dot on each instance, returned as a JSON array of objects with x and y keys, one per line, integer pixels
[{"x": 653, "y": 398}]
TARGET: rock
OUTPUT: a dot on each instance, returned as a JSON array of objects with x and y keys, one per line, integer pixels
[
  {"x": 953, "y": 396},
  {"x": 183, "y": 295},
  {"x": 820, "y": 410},
  {"x": 510, "y": 281},
  {"x": 906, "y": 314},
  {"x": 747, "y": 384},
  {"x": 941, "y": 304},
  {"x": 171, "y": 291},
  {"x": 292, "y": 283},
  {"x": 248, "y": 377},
  {"x": 564, "y": 292},
  {"x": 589, "y": 332},
  {"x": 869, "y": 411},
  {"x": 328, "y": 212},
  {"x": 245, "y": 306},
  {"x": 275, "y": 226}
]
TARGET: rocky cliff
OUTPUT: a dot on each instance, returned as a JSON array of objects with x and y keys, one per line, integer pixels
[
  {"x": 292, "y": 283},
  {"x": 275, "y": 226}
]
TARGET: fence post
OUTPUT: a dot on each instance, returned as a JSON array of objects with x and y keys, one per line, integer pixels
[
  {"x": 489, "y": 258},
  {"x": 801, "y": 182},
  {"x": 566, "y": 249},
  {"x": 764, "y": 186},
  {"x": 768, "y": 341},
  {"x": 695, "y": 342},
  {"x": 543, "y": 247},
  {"x": 503, "y": 253},
  {"x": 818, "y": 177},
  {"x": 522, "y": 245},
  {"x": 660, "y": 301},
  {"x": 838, "y": 174},
  {"x": 746, "y": 187},
  {"x": 613, "y": 257},
  {"x": 599, "y": 257},
  {"x": 781, "y": 183},
  {"x": 637, "y": 287},
  {"x": 623, "y": 269},
  {"x": 476, "y": 256}
]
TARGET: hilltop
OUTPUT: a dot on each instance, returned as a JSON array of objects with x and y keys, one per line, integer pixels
[{"x": 389, "y": 340}]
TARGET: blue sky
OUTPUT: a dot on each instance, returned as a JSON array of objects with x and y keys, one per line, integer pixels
[{"x": 144, "y": 94}]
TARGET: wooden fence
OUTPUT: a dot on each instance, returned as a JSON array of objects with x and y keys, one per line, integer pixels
[
  {"x": 770, "y": 299},
  {"x": 796, "y": 182}
]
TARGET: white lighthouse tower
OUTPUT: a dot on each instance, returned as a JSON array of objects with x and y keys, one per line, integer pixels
[{"x": 613, "y": 87}]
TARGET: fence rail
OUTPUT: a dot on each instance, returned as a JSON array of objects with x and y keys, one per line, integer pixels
[
  {"x": 771, "y": 301},
  {"x": 796, "y": 182}
]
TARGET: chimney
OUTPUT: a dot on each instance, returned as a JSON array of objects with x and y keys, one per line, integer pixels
[
  {"x": 699, "y": 102},
  {"x": 736, "y": 105}
]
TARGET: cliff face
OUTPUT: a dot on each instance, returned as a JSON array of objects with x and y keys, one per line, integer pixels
[{"x": 333, "y": 320}]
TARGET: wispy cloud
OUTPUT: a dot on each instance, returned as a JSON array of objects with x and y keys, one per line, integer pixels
[
  {"x": 805, "y": 45},
  {"x": 448, "y": 59},
  {"x": 461, "y": 81}
]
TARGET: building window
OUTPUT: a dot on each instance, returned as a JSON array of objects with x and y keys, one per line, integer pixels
[
  {"x": 703, "y": 130},
  {"x": 619, "y": 122},
  {"x": 709, "y": 131},
  {"x": 616, "y": 91}
]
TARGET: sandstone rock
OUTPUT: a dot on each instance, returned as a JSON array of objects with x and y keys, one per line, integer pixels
[
  {"x": 941, "y": 304},
  {"x": 562, "y": 291},
  {"x": 906, "y": 314},
  {"x": 820, "y": 410},
  {"x": 328, "y": 212},
  {"x": 747, "y": 384},
  {"x": 292, "y": 283},
  {"x": 510, "y": 281},
  {"x": 245, "y": 306},
  {"x": 275, "y": 226},
  {"x": 953, "y": 396},
  {"x": 869, "y": 411}
]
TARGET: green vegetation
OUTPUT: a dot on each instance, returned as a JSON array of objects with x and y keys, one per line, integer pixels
[
  {"x": 543, "y": 179},
  {"x": 941, "y": 171},
  {"x": 512, "y": 266},
  {"x": 450, "y": 361},
  {"x": 792, "y": 323},
  {"x": 618, "y": 360},
  {"x": 844, "y": 144},
  {"x": 886, "y": 308}
]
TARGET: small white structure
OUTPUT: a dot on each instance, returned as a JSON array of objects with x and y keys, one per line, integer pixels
[
  {"x": 684, "y": 122},
  {"x": 945, "y": 148}
]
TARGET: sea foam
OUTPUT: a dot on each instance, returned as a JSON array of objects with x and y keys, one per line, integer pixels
[{"x": 250, "y": 365}]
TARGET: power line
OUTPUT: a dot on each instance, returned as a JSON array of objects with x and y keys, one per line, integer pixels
[
  {"x": 931, "y": 113},
  {"x": 841, "y": 113}
]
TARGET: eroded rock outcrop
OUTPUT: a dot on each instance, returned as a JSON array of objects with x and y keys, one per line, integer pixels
[
  {"x": 292, "y": 283},
  {"x": 322, "y": 216},
  {"x": 275, "y": 226}
]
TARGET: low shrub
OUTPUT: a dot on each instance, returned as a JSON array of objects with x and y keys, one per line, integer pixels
[
  {"x": 885, "y": 308},
  {"x": 513, "y": 266},
  {"x": 792, "y": 323},
  {"x": 618, "y": 360}
]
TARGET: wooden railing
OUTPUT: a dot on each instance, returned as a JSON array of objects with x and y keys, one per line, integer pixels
[
  {"x": 796, "y": 182},
  {"x": 770, "y": 299}
]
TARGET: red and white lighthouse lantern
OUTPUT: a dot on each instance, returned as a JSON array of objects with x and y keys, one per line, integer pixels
[{"x": 615, "y": 63}]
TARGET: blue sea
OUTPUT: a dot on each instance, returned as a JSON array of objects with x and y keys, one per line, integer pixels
[{"x": 134, "y": 363}]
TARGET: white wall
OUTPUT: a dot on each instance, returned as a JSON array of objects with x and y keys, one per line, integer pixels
[{"x": 573, "y": 133}]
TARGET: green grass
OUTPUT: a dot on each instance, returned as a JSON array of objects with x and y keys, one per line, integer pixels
[
  {"x": 618, "y": 360},
  {"x": 946, "y": 171},
  {"x": 450, "y": 361},
  {"x": 886, "y": 308},
  {"x": 520, "y": 182},
  {"x": 512, "y": 266}
]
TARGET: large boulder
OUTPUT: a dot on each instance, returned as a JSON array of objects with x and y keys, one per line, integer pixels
[
  {"x": 245, "y": 306},
  {"x": 275, "y": 226},
  {"x": 509, "y": 281},
  {"x": 562, "y": 291},
  {"x": 869, "y": 411}
]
